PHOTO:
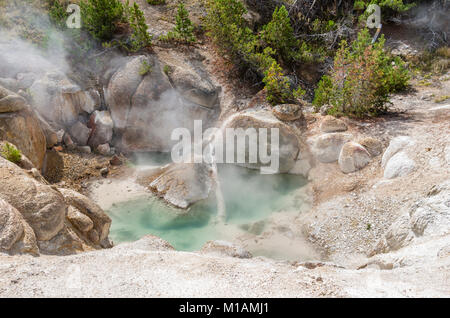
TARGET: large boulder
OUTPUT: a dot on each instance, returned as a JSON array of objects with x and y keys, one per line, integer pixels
[
  {"x": 398, "y": 165},
  {"x": 372, "y": 145},
  {"x": 146, "y": 108},
  {"x": 180, "y": 184},
  {"x": 51, "y": 222},
  {"x": 41, "y": 206},
  {"x": 396, "y": 144},
  {"x": 24, "y": 131},
  {"x": 102, "y": 125},
  {"x": 101, "y": 221},
  {"x": 11, "y": 228},
  {"x": 428, "y": 217},
  {"x": 11, "y": 102},
  {"x": 327, "y": 147},
  {"x": 59, "y": 100},
  {"x": 353, "y": 157},
  {"x": 121, "y": 88},
  {"x": 291, "y": 146},
  {"x": 80, "y": 133}
]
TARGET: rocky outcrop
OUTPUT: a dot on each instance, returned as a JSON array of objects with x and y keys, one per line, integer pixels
[
  {"x": 180, "y": 184},
  {"x": 59, "y": 100},
  {"x": 428, "y": 217},
  {"x": 146, "y": 107},
  {"x": 45, "y": 226},
  {"x": 353, "y": 157},
  {"x": 291, "y": 146},
  {"x": 101, "y": 221},
  {"x": 23, "y": 130},
  {"x": 11, "y": 227}
]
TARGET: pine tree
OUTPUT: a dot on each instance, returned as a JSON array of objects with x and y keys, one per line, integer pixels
[
  {"x": 140, "y": 37},
  {"x": 279, "y": 35},
  {"x": 100, "y": 17},
  {"x": 184, "y": 28}
]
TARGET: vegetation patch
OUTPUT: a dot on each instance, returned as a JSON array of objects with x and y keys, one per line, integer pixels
[{"x": 11, "y": 153}]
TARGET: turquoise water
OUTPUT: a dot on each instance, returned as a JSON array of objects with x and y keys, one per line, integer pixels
[{"x": 249, "y": 197}]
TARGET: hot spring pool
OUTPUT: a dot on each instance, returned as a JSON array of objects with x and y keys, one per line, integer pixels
[{"x": 250, "y": 197}]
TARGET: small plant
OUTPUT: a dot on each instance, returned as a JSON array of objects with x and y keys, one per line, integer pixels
[
  {"x": 167, "y": 69},
  {"x": 11, "y": 153},
  {"x": 369, "y": 226},
  {"x": 156, "y": 2},
  {"x": 145, "y": 68},
  {"x": 440, "y": 99}
]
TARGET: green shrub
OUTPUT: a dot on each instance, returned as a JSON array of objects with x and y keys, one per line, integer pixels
[
  {"x": 57, "y": 13},
  {"x": 156, "y": 2},
  {"x": 395, "y": 5},
  {"x": 184, "y": 27},
  {"x": 278, "y": 88},
  {"x": 100, "y": 17},
  {"x": 145, "y": 68},
  {"x": 11, "y": 153},
  {"x": 362, "y": 78},
  {"x": 279, "y": 35},
  {"x": 183, "y": 30},
  {"x": 167, "y": 69},
  {"x": 140, "y": 37},
  {"x": 228, "y": 29},
  {"x": 226, "y": 26}
]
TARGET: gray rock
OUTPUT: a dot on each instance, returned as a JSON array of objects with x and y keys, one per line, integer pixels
[
  {"x": 80, "y": 133},
  {"x": 101, "y": 220},
  {"x": 287, "y": 112},
  {"x": 181, "y": 184},
  {"x": 104, "y": 150},
  {"x": 332, "y": 124},
  {"x": 328, "y": 146},
  {"x": 84, "y": 149},
  {"x": 353, "y": 157},
  {"x": 396, "y": 144},
  {"x": 102, "y": 126},
  {"x": 398, "y": 165},
  {"x": 79, "y": 220},
  {"x": 373, "y": 146},
  {"x": 11, "y": 228}
]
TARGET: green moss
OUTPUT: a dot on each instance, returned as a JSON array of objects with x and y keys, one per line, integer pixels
[{"x": 11, "y": 153}]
